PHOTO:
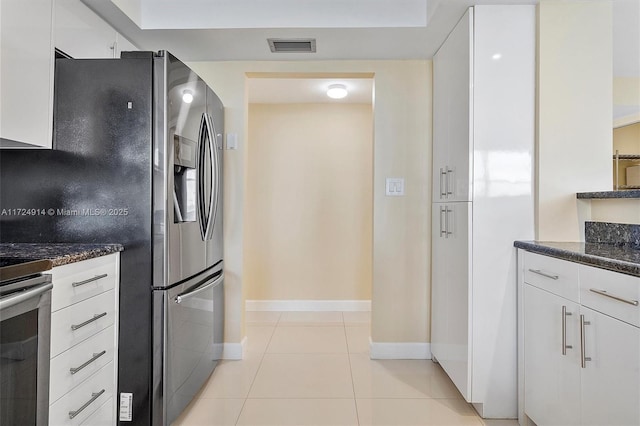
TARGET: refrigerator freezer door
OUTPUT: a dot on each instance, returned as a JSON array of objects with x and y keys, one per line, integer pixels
[{"x": 192, "y": 338}]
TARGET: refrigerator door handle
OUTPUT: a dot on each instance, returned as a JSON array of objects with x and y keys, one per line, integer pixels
[
  {"x": 213, "y": 194},
  {"x": 199, "y": 165},
  {"x": 181, "y": 297}
]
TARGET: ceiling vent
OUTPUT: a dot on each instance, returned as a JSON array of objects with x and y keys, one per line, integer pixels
[{"x": 294, "y": 45}]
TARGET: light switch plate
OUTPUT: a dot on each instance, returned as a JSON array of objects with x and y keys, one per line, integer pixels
[
  {"x": 395, "y": 187},
  {"x": 232, "y": 141}
]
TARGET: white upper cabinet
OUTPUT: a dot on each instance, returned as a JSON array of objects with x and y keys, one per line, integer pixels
[
  {"x": 453, "y": 114},
  {"x": 26, "y": 73},
  {"x": 29, "y": 33},
  {"x": 82, "y": 34}
]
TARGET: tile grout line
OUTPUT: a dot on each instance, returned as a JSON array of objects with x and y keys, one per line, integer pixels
[
  {"x": 353, "y": 385},
  {"x": 258, "y": 369}
]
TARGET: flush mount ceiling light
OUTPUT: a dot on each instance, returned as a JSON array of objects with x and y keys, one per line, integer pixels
[
  {"x": 187, "y": 96},
  {"x": 337, "y": 91}
]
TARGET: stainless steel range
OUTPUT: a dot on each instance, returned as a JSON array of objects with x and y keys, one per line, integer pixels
[{"x": 25, "y": 330}]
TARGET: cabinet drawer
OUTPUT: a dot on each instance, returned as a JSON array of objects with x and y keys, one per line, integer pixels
[
  {"x": 611, "y": 293},
  {"x": 78, "y": 281},
  {"x": 86, "y": 358},
  {"x": 104, "y": 416},
  {"x": 88, "y": 318},
  {"x": 85, "y": 399},
  {"x": 554, "y": 275}
]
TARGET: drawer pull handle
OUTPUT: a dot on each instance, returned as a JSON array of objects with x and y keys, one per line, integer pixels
[
  {"x": 94, "y": 396},
  {"x": 96, "y": 317},
  {"x": 90, "y": 280},
  {"x": 539, "y": 272},
  {"x": 74, "y": 370},
  {"x": 619, "y": 299}
]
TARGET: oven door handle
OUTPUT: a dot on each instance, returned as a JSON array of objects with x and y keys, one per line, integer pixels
[
  {"x": 181, "y": 297},
  {"x": 9, "y": 301}
]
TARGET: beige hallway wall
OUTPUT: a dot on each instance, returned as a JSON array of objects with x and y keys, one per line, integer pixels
[
  {"x": 309, "y": 202},
  {"x": 401, "y": 225}
]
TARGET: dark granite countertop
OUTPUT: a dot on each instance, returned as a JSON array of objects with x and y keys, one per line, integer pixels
[
  {"x": 631, "y": 193},
  {"x": 58, "y": 253},
  {"x": 615, "y": 257}
]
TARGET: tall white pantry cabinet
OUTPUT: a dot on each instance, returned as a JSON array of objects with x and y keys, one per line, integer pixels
[{"x": 483, "y": 154}]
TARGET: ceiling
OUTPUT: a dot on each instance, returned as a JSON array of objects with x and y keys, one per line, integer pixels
[{"x": 237, "y": 30}]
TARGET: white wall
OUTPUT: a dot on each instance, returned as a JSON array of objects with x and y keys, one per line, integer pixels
[
  {"x": 574, "y": 111},
  {"x": 308, "y": 211},
  {"x": 401, "y": 225}
]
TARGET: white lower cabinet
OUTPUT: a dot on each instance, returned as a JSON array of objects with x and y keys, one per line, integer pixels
[
  {"x": 581, "y": 366},
  {"x": 610, "y": 388},
  {"x": 84, "y": 342},
  {"x": 552, "y": 379}
]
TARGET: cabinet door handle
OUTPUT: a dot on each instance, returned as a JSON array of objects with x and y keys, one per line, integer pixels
[
  {"x": 618, "y": 298},
  {"x": 443, "y": 191},
  {"x": 447, "y": 210},
  {"x": 443, "y": 231},
  {"x": 74, "y": 370},
  {"x": 544, "y": 274},
  {"x": 90, "y": 280},
  {"x": 583, "y": 357},
  {"x": 449, "y": 192},
  {"x": 565, "y": 314},
  {"x": 94, "y": 396},
  {"x": 96, "y": 317}
]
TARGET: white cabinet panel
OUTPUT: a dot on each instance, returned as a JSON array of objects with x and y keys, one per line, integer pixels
[
  {"x": 552, "y": 384},
  {"x": 452, "y": 148},
  {"x": 611, "y": 293},
  {"x": 551, "y": 274},
  {"x": 479, "y": 289},
  {"x": 80, "y": 33},
  {"x": 450, "y": 298},
  {"x": 597, "y": 381},
  {"x": 26, "y": 74},
  {"x": 75, "y": 365},
  {"x": 84, "y": 399},
  {"x": 611, "y": 378},
  {"x": 84, "y": 360},
  {"x": 78, "y": 281}
]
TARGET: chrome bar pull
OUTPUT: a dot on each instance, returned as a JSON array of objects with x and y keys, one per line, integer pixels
[
  {"x": 618, "y": 298},
  {"x": 449, "y": 192},
  {"x": 447, "y": 211},
  {"x": 583, "y": 357},
  {"x": 96, "y": 317},
  {"x": 74, "y": 370},
  {"x": 565, "y": 314},
  {"x": 90, "y": 280},
  {"x": 94, "y": 396},
  {"x": 443, "y": 192},
  {"x": 544, "y": 274},
  {"x": 443, "y": 231}
]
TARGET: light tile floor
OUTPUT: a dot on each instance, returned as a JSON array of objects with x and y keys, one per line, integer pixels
[{"x": 313, "y": 368}]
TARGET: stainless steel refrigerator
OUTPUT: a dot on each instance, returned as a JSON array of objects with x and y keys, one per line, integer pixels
[{"x": 137, "y": 154}]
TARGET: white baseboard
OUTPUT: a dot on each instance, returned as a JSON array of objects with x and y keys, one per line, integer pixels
[
  {"x": 308, "y": 305},
  {"x": 234, "y": 351},
  {"x": 400, "y": 350}
]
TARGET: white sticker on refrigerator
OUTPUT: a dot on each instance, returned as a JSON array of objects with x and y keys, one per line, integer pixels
[{"x": 126, "y": 407}]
